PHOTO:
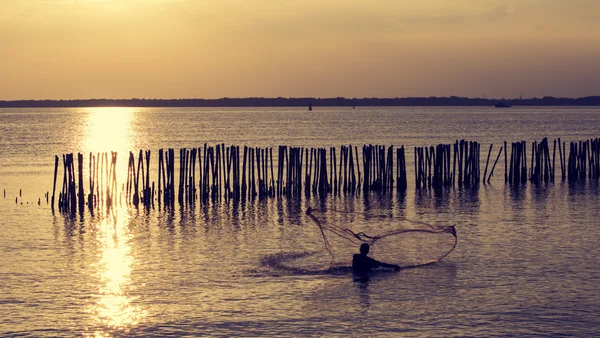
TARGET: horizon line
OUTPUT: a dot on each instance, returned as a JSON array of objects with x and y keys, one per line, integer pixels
[
  {"x": 308, "y": 97},
  {"x": 301, "y": 102}
]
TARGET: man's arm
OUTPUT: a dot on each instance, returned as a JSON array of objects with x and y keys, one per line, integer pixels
[{"x": 386, "y": 265}]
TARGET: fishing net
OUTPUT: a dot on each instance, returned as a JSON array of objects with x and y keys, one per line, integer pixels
[{"x": 393, "y": 240}]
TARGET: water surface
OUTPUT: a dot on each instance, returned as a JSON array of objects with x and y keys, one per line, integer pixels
[{"x": 526, "y": 261}]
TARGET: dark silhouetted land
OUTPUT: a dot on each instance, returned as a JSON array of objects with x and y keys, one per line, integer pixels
[{"x": 302, "y": 102}]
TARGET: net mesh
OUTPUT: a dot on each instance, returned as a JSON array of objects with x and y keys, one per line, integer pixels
[
  {"x": 393, "y": 240},
  {"x": 404, "y": 242}
]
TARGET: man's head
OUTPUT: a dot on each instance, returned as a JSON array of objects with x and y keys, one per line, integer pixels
[{"x": 364, "y": 248}]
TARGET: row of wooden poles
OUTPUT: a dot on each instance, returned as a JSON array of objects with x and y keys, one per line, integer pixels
[
  {"x": 102, "y": 182},
  {"x": 214, "y": 173},
  {"x": 583, "y": 161},
  {"x": 435, "y": 166},
  {"x": 219, "y": 172}
]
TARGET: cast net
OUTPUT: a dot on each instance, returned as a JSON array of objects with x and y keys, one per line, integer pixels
[{"x": 394, "y": 240}]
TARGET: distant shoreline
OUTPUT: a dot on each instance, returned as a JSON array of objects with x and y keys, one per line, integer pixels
[{"x": 301, "y": 102}]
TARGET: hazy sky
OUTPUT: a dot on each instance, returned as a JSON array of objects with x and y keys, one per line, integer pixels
[{"x": 64, "y": 49}]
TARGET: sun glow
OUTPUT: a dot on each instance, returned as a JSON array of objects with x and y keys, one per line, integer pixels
[{"x": 108, "y": 129}]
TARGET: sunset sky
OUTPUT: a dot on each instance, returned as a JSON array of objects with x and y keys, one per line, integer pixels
[{"x": 68, "y": 49}]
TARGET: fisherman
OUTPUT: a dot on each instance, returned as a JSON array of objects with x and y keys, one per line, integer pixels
[{"x": 362, "y": 264}]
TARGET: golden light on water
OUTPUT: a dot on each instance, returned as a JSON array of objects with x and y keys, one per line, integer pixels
[
  {"x": 114, "y": 309},
  {"x": 109, "y": 129}
]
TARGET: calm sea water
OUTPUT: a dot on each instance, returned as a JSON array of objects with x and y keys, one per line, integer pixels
[{"x": 526, "y": 262}]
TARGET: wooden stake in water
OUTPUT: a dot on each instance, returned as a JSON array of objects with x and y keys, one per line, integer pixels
[
  {"x": 53, "y": 185},
  {"x": 487, "y": 162}
]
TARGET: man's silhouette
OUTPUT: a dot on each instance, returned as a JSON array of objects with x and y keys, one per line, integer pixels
[{"x": 362, "y": 264}]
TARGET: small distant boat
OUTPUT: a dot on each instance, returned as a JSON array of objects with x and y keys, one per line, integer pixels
[
  {"x": 310, "y": 106},
  {"x": 502, "y": 105}
]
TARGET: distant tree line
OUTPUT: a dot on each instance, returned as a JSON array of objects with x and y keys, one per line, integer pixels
[{"x": 302, "y": 102}]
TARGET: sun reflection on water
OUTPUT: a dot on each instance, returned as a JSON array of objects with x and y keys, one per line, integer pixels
[
  {"x": 114, "y": 309},
  {"x": 109, "y": 129}
]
